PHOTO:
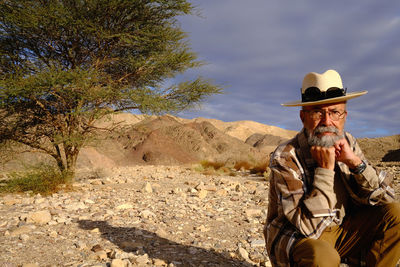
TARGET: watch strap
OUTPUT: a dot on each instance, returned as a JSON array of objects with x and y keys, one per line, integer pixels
[{"x": 360, "y": 168}]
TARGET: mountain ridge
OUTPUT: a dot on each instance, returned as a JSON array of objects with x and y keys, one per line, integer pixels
[{"x": 171, "y": 140}]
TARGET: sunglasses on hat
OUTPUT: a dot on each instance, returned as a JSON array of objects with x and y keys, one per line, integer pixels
[{"x": 315, "y": 94}]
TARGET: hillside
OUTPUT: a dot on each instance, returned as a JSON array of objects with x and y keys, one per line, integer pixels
[
  {"x": 169, "y": 140},
  {"x": 386, "y": 149}
]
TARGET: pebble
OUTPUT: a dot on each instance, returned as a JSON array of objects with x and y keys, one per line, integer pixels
[
  {"x": 147, "y": 214},
  {"x": 39, "y": 217},
  {"x": 243, "y": 253},
  {"x": 24, "y": 237},
  {"x": 119, "y": 263},
  {"x": 10, "y": 200},
  {"x": 253, "y": 212},
  {"x": 202, "y": 194},
  {"x": 124, "y": 207},
  {"x": 257, "y": 243},
  {"x": 159, "y": 262},
  {"x": 24, "y": 229},
  {"x": 143, "y": 259},
  {"x": 148, "y": 188}
]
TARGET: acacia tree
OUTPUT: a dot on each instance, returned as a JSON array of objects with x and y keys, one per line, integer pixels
[{"x": 66, "y": 63}]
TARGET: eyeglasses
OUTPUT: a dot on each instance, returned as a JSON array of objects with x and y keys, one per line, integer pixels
[
  {"x": 317, "y": 114},
  {"x": 315, "y": 94}
]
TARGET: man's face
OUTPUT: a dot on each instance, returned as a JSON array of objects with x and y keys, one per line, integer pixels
[{"x": 324, "y": 124}]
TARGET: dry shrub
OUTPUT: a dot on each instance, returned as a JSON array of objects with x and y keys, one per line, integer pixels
[
  {"x": 242, "y": 165},
  {"x": 213, "y": 168},
  {"x": 260, "y": 167},
  {"x": 211, "y": 164},
  {"x": 219, "y": 168},
  {"x": 255, "y": 168},
  {"x": 41, "y": 179}
]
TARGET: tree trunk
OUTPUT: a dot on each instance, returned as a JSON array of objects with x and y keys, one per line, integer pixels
[
  {"x": 71, "y": 155},
  {"x": 59, "y": 160}
]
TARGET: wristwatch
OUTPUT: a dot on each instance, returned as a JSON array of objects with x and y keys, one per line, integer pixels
[{"x": 360, "y": 168}]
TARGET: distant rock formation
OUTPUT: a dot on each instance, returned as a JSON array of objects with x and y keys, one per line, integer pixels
[
  {"x": 170, "y": 140},
  {"x": 166, "y": 140}
]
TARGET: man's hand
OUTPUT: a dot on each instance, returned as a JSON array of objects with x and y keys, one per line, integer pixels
[
  {"x": 345, "y": 154},
  {"x": 325, "y": 156}
]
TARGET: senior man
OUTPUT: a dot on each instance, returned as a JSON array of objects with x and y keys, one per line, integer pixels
[{"x": 327, "y": 204}]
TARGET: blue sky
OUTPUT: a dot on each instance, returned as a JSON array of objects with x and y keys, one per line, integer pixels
[{"x": 260, "y": 50}]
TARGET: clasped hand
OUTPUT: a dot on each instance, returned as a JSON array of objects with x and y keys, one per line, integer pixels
[{"x": 341, "y": 151}]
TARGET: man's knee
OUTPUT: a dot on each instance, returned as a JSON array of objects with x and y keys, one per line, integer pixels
[
  {"x": 314, "y": 252},
  {"x": 392, "y": 213}
]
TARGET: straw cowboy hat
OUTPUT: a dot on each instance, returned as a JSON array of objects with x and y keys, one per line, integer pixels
[{"x": 323, "y": 88}]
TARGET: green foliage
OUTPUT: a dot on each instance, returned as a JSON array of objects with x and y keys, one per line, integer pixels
[
  {"x": 41, "y": 179},
  {"x": 65, "y": 64}
]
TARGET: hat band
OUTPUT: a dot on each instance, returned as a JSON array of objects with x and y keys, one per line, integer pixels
[{"x": 315, "y": 94}]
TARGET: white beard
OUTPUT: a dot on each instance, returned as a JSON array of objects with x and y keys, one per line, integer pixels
[{"x": 325, "y": 140}]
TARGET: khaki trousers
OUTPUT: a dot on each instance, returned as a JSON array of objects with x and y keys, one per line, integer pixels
[{"x": 372, "y": 230}]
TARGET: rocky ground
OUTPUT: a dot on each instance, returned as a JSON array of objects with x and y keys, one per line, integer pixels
[{"x": 139, "y": 216}]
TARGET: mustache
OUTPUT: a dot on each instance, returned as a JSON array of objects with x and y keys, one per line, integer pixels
[
  {"x": 326, "y": 129},
  {"x": 324, "y": 141}
]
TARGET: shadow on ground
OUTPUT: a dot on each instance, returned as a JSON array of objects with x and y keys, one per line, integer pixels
[{"x": 132, "y": 239}]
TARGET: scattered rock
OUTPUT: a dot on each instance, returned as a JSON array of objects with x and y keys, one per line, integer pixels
[
  {"x": 101, "y": 255},
  {"x": 190, "y": 220},
  {"x": 10, "y": 200},
  {"x": 39, "y": 217},
  {"x": 96, "y": 248},
  {"x": 95, "y": 230},
  {"x": 243, "y": 253},
  {"x": 24, "y": 229},
  {"x": 147, "y": 214},
  {"x": 253, "y": 213},
  {"x": 258, "y": 243},
  {"x": 148, "y": 188},
  {"x": 143, "y": 259},
  {"x": 24, "y": 237},
  {"x": 202, "y": 194},
  {"x": 162, "y": 233},
  {"x": 124, "y": 206},
  {"x": 159, "y": 262},
  {"x": 119, "y": 263}
]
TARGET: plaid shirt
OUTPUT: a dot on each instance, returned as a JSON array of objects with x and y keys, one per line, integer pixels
[{"x": 305, "y": 199}]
